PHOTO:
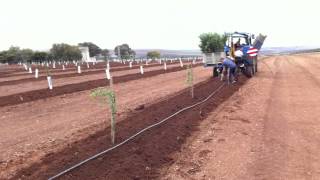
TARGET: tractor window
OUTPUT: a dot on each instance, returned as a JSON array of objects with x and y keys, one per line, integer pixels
[
  {"x": 241, "y": 40},
  {"x": 234, "y": 39}
]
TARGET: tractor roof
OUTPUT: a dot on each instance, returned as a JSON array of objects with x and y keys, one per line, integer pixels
[{"x": 238, "y": 34}]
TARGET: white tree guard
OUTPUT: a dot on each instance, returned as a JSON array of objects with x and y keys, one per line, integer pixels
[
  {"x": 50, "y": 85},
  {"x": 181, "y": 64},
  {"x": 36, "y": 75},
  {"x": 79, "y": 69},
  {"x": 108, "y": 74}
]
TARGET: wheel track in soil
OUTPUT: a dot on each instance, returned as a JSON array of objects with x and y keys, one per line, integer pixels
[
  {"x": 312, "y": 62},
  {"x": 277, "y": 125},
  {"x": 303, "y": 69},
  {"x": 264, "y": 161}
]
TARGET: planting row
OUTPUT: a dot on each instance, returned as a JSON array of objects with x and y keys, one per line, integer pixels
[
  {"x": 23, "y": 78},
  {"x": 78, "y": 68},
  {"x": 42, "y": 84},
  {"x": 42, "y": 126},
  {"x": 24, "y": 70},
  {"x": 142, "y": 157},
  {"x": 31, "y": 92},
  {"x": 65, "y": 66}
]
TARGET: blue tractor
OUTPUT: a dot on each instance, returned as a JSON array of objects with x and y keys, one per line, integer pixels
[{"x": 243, "y": 47}]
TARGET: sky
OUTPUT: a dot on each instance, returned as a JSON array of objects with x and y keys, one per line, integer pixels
[{"x": 155, "y": 24}]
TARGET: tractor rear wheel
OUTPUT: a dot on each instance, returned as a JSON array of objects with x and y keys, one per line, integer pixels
[
  {"x": 249, "y": 71},
  {"x": 256, "y": 65}
]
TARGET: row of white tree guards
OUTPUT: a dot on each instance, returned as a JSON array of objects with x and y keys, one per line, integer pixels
[{"x": 140, "y": 62}]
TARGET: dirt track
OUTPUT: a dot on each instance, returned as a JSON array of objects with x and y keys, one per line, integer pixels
[{"x": 267, "y": 130}]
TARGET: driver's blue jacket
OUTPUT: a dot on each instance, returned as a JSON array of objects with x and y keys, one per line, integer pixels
[{"x": 228, "y": 63}]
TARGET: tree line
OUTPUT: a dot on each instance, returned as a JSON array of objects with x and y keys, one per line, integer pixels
[{"x": 62, "y": 52}]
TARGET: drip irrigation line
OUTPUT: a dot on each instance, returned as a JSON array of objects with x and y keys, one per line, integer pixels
[{"x": 135, "y": 135}]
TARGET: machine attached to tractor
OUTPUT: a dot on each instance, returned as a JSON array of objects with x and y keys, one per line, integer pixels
[{"x": 241, "y": 47}]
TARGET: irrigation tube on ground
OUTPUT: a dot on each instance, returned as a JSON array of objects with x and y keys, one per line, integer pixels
[{"x": 135, "y": 135}]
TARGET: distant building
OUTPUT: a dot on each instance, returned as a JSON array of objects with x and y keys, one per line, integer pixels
[{"x": 86, "y": 55}]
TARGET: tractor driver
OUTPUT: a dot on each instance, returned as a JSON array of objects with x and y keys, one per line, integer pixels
[{"x": 237, "y": 45}]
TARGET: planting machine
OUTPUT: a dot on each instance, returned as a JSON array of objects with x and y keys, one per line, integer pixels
[{"x": 243, "y": 48}]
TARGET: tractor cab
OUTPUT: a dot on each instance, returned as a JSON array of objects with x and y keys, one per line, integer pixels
[{"x": 236, "y": 41}]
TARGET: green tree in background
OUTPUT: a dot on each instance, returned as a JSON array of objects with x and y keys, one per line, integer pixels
[
  {"x": 40, "y": 56},
  {"x": 65, "y": 52},
  {"x": 3, "y": 57},
  {"x": 13, "y": 55},
  {"x": 26, "y": 55},
  {"x": 125, "y": 51},
  {"x": 153, "y": 54},
  {"x": 57, "y": 52},
  {"x": 105, "y": 53},
  {"x": 93, "y": 49},
  {"x": 211, "y": 42}
]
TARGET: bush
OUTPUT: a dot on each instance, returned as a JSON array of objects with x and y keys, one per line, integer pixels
[{"x": 211, "y": 42}]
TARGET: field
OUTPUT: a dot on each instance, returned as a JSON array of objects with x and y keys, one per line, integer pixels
[{"x": 264, "y": 127}]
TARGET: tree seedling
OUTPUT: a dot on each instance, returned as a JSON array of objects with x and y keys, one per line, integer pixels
[{"x": 108, "y": 95}]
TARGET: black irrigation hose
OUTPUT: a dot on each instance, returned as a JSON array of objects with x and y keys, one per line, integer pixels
[{"x": 135, "y": 135}]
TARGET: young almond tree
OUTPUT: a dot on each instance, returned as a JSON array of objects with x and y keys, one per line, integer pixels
[
  {"x": 108, "y": 95},
  {"x": 190, "y": 79}
]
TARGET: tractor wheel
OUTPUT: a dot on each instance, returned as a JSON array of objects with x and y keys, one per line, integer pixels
[
  {"x": 256, "y": 65},
  {"x": 249, "y": 71},
  {"x": 215, "y": 72}
]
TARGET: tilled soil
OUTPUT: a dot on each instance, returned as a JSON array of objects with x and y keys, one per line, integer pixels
[
  {"x": 31, "y": 130},
  {"x": 21, "y": 77},
  {"x": 141, "y": 158},
  {"x": 18, "y": 70},
  {"x": 34, "y": 92},
  {"x": 42, "y": 83},
  {"x": 264, "y": 128},
  {"x": 269, "y": 129}
]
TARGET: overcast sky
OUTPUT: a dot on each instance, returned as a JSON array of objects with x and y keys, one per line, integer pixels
[{"x": 165, "y": 24}]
